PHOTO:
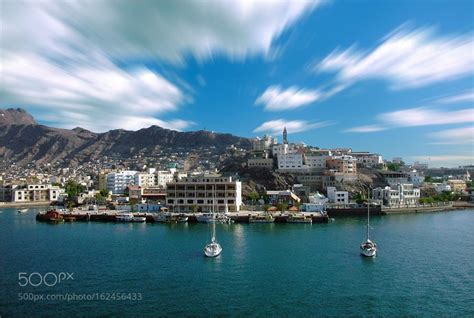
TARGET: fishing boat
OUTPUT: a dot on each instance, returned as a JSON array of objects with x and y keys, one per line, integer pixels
[
  {"x": 22, "y": 210},
  {"x": 368, "y": 248},
  {"x": 162, "y": 217},
  {"x": 299, "y": 218},
  {"x": 262, "y": 218}
]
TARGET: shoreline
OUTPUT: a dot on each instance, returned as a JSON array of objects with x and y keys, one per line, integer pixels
[{"x": 24, "y": 204}]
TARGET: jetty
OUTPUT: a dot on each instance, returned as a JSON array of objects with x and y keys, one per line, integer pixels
[{"x": 111, "y": 216}]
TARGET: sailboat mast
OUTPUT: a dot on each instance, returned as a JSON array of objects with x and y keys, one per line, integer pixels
[
  {"x": 213, "y": 213},
  {"x": 368, "y": 211}
]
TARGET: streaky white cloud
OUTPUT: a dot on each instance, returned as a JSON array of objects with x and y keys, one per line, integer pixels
[
  {"x": 456, "y": 136},
  {"x": 423, "y": 116},
  {"x": 276, "y": 99},
  {"x": 366, "y": 129},
  {"x": 169, "y": 30},
  {"x": 64, "y": 57},
  {"x": 293, "y": 126},
  {"x": 406, "y": 58},
  {"x": 94, "y": 96},
  {"x": 419, "y": 116},
  {"x": 446, "y": 160},
  {"x": 467, "y": 96}
]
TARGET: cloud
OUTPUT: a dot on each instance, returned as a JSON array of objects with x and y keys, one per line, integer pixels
[
  {"x": 365, "y": 129},
  {"x": 293, "y": 126},
  {"x": 446, "y": 160},
  {"x": 467, "y": 96},
  {"x": 406, "y": 58},
  {"x": 98, "y": 97},
  {"x": 169, "y": 30},
  {"x": 78, "y": 62},
  {"x": 277, "y": 99},
  {"x": 454, "y": 136},
  {"x": 420, "y": 116},
  {"x": 423, "y": 116}
]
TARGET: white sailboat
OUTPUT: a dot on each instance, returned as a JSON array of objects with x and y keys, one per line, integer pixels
[
  {"x": 368, "y": 248},
  {"x": 213, "y": 249}
]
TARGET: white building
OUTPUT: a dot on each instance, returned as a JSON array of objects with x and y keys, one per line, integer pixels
[
  {"x": 340, "y": 197},
  {"x": 416, "y": 178},
  {"x": 117, "y": 182},
  {"x": 290, "y": 161},
  {"x": 401, "y": 195},
  {"x": 164, "y": 177},
  {"x": 36, "y": 193},
  {"x": 204, "y": 192},
  {"x": 315, "y": 161},
  {"x": 263, "y": 144},
  {"x": 441, "y": 187},
  {"x": 367, "y": 159},
  {"x": 145, "y": 180}
]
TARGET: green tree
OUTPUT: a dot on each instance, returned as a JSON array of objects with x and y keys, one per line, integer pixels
[
  {"x": 429, "y": 179},
  {"x": 283, "y": 206},
  {"x": 73, "y": 188},
  {"x": 393, "y": 166}
]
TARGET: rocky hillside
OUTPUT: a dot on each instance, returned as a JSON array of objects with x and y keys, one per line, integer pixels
[{"x": 22, "y": 141}]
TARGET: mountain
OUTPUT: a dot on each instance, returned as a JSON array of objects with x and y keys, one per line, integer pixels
[
  {"x": 23, "y": 141},
  {"x": 17, "y": 116}
]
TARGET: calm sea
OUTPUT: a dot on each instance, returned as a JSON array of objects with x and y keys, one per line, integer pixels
[{"x": 425, "y": 267}]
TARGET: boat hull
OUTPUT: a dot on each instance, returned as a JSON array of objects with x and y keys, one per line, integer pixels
[{"x": 212, "y": 250}]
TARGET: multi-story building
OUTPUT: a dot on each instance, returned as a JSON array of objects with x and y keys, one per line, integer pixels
[
  {"x": 339, "y": 197},
  {"x": 393, "y": 178},
  {"x": 290, "y": 161},
  {"x": 145, "y": 180},
  {"x": 401, "y": 195},
  {"x": 457, "y": 185},
  {"x": 263, "y": 144},
  {"x": 367, "y": 159},
  {"x": 343, "y": 164},
  {"x": 36, "y": 193},
  {"x": 282, "y": 196},
  {"x": 204, "y": 193},
  {"x": 313, "y": 161},
  {"x": 117, "y": 182},
  {"x": 416, "y": 178},
  {"x": 260, "y": 162},
  {"x": 164, "y": 177}
]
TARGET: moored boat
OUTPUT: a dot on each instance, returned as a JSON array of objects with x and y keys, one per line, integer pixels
[
  {"x": 205, "y": 218},
  {"x": 22, "y": 210},
  {"x": 299, "y": 218},
  {"x": 129, "y": 217},
  {"x": 259, "y": 218}
]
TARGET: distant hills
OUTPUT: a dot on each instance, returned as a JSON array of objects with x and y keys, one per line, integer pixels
[{"x": 23, "y": 140}]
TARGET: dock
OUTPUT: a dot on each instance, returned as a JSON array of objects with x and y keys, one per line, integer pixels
[{"x": 110, "y": 216}]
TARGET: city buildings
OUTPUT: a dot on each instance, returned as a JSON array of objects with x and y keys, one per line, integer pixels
[
  {"x": 344, "y": 164},
  {"x": 339, "y": 197},
  {"x": 35, "y": 193},
  {"x": 204, "y": 194},
  {"x": 400, "y": 195},
  {"x": 117, "y": 182}
]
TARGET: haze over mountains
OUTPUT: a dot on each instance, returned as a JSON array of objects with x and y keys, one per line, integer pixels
[{"x": 23, "y": 140}]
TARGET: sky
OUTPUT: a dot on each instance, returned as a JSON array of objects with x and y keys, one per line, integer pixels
[{"x": 391, "y": 77}]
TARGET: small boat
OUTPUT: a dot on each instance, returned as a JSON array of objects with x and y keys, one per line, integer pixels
[
  {"x": 129, "y": 217},
  {"x": 299, "y": 218},
  {"x": 212, "y": 249},
  {"x": 161, "y": 217},
  {"x": 22, "y": 210},
  {"x": 182, "y": 218},
  {"x": 368, "y": 248},
  {"x": 205, "y": 217},
  {"x": 70, "y": 219},
  {"x": 265, "y": 218}
]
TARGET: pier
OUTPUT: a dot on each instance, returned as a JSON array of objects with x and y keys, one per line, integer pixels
[{"x": 110, "y": 216}]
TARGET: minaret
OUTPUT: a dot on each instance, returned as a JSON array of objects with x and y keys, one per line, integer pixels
[{"x": 285, "y": 136}]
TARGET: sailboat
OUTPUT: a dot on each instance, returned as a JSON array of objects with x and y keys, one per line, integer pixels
[
  {"x": 368, "y": 248},
  {"x": 213, "y": 249}
]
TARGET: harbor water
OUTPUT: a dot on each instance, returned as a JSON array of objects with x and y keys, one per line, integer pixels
[{"x": 424, "y": 267}]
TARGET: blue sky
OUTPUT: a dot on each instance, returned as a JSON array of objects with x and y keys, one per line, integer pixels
[{"x": 393, "y": 77}]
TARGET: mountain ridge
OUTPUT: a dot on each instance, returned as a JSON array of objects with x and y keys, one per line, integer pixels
[{"x": 23, "y": 140}]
